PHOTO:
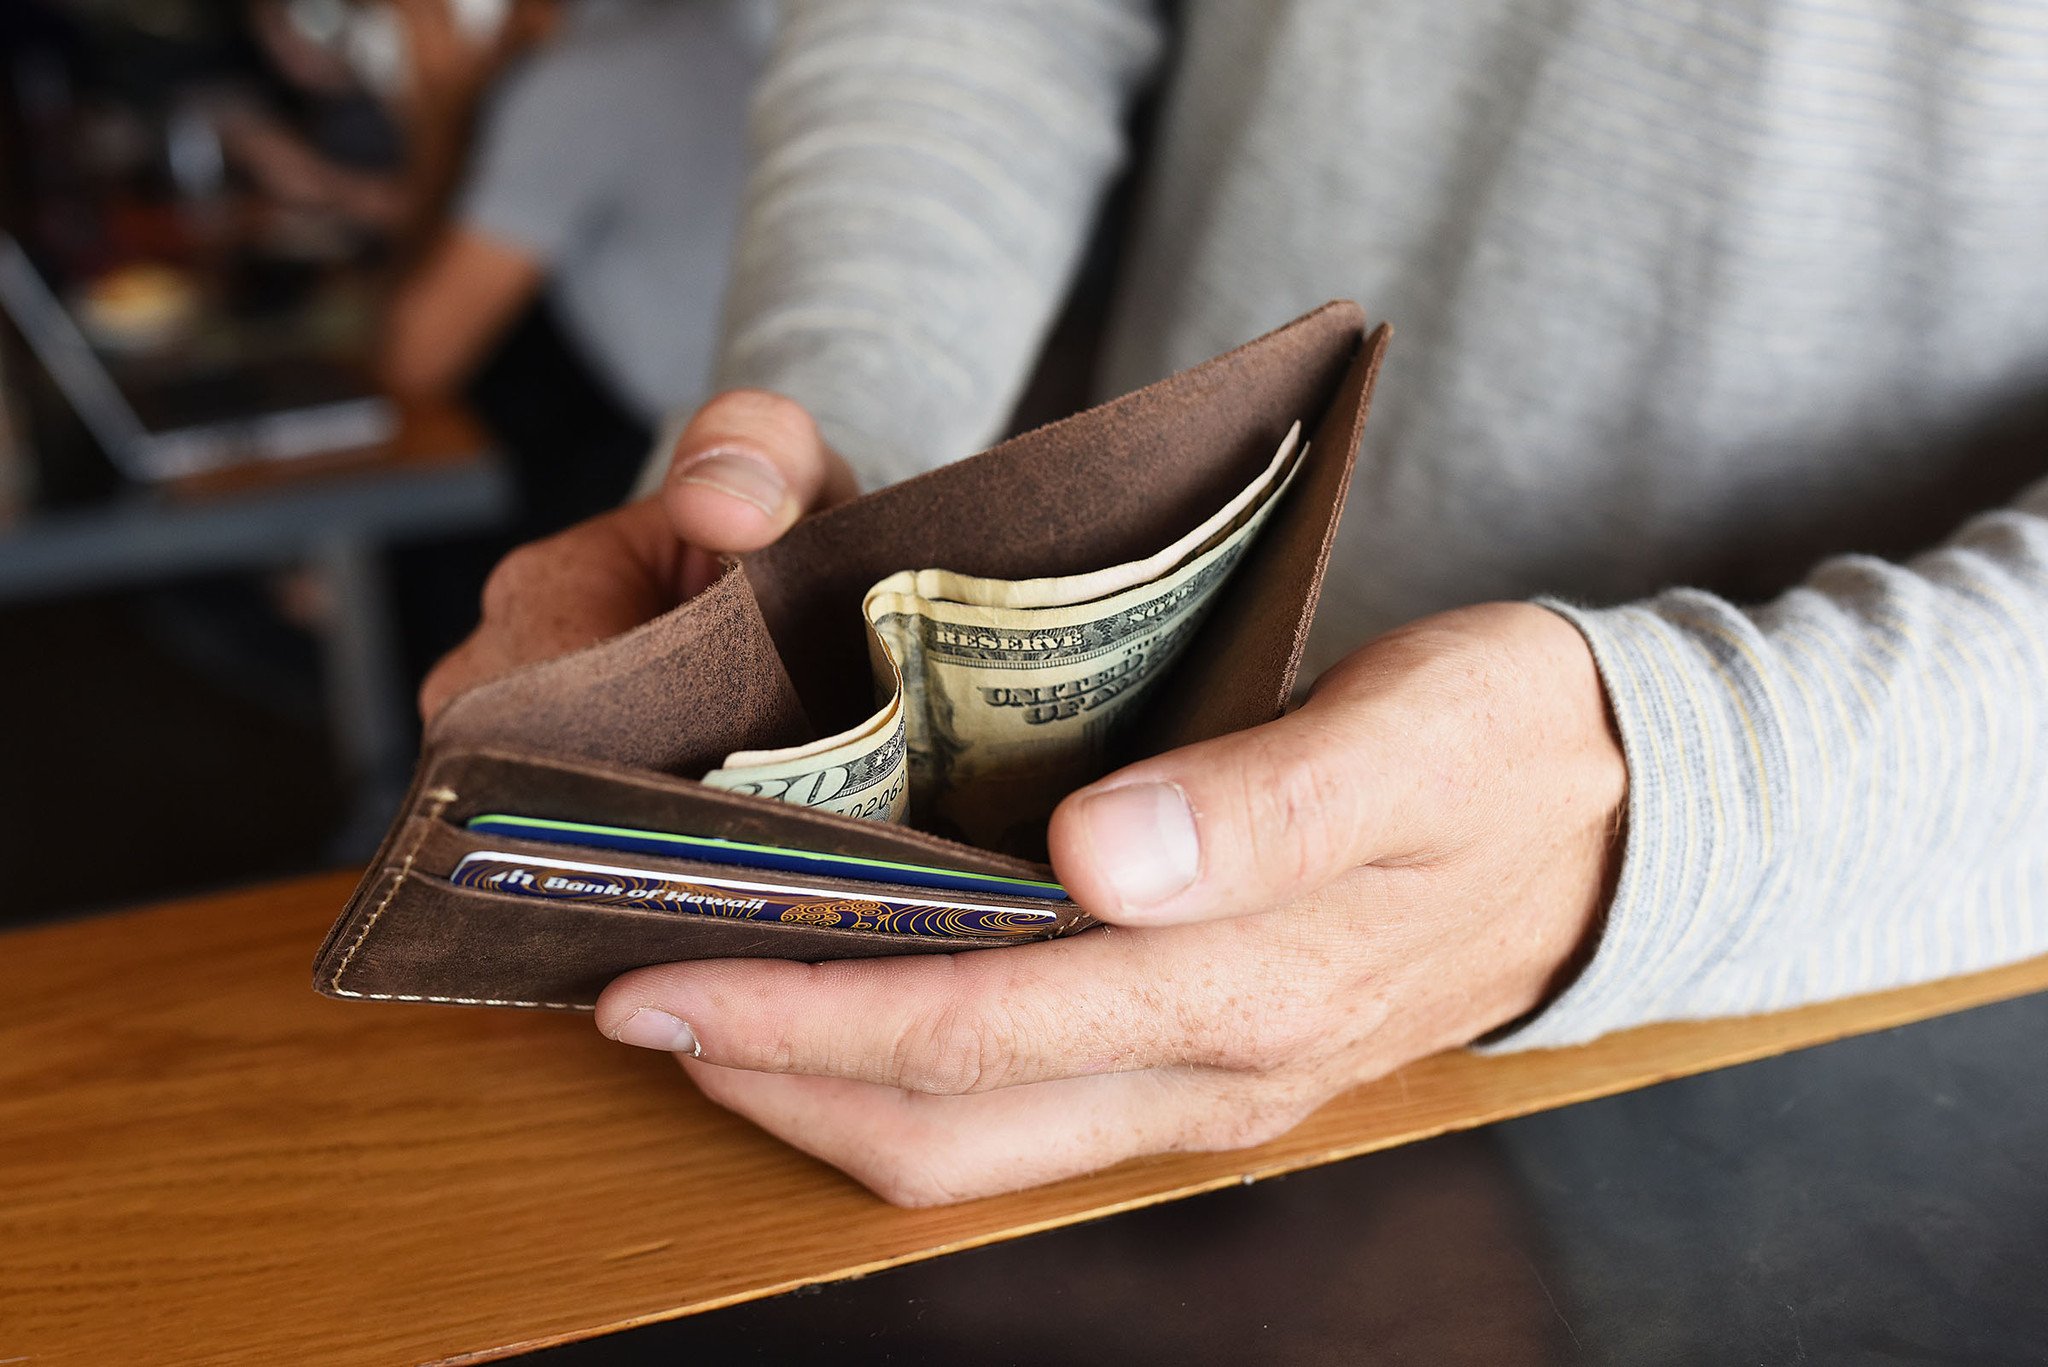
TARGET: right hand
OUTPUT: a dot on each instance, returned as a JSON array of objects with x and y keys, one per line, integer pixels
[{"x": 749, "y": 464}]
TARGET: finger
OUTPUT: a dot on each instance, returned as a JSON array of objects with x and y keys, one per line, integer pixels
[
  {"x": 1241, "y": 823},
  {"x": 750, "y": 464},
  {"x": 951, "y": 1024},
  {"x": 918, "y": 1150},
  {"x": 549, "y": 597}
]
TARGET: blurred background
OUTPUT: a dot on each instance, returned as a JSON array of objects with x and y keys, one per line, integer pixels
[{"x": 308, "y": 310}]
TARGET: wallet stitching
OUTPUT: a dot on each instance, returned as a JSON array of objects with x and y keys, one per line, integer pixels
[
  {"x": 459, "y": 1001},
  {"x": 441, "y": 799}
]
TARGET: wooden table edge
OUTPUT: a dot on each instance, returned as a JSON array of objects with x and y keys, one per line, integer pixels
[
  {"x": 1886, "y": 1010},
  {"x": 251, "y": 940}
]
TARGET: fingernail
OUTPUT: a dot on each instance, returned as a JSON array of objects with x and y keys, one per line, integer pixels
[
  {"x": 1145, "y": 833},
  {"x": 745, "y": 477},
  {"x": 652, "y": 1029}
]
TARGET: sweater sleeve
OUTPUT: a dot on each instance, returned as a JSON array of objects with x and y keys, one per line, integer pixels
[
  {"x": 924, "y": 176},
  {"x": 1843, "y": 791}
]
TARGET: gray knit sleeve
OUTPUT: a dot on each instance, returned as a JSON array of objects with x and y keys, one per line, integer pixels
[
  {"x": 924, "y": 176},
  {"x": 1844, "y": 791}
]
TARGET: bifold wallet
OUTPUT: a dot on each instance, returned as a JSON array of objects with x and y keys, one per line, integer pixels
[{"x": 774, "y": 653}]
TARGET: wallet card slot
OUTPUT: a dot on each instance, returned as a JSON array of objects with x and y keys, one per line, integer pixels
[
  {"x": 441, "y": 847},
  {"x": 432, "y": 941},
  {"x": 410, "y": 935},
  {"x": 478, "y": 782}
]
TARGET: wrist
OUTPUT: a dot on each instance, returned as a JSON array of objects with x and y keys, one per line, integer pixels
[
  {"x": 1585, "y": 751},
  {"x": 1555, "y": 764}
]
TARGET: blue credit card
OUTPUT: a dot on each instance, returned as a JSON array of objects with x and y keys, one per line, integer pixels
[
  {"x": 713, "y": 850},
  {"x": 781, "y": 900}
]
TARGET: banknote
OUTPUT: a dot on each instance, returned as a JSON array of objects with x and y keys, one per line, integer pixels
[
  {"x": 1062, "y": 590},
  {"x": 859, "y": 773},
  {"x": 1007, "y": 712},
  {"x": 1001, "y": 696}
]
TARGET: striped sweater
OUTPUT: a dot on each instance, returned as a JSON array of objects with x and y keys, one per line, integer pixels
[{"x": 1723, "y": 329}]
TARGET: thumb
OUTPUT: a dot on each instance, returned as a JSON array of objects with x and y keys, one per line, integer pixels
[
  {"x": 1232, "y": 825},
  {"x": 750, "y": 464}
]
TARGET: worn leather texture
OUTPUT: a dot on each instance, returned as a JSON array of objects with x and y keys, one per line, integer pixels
[{"x": 774, "y": 654}]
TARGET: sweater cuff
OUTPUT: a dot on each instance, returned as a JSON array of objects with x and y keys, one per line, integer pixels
[{"x": 1685, "y": 678}]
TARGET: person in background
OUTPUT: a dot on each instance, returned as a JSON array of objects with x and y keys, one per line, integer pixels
[
  {"x": 564, "y": 214},
  {"x": 314, "y": 138},
  {"x": 561, "y": 229},
  {"x": 1685, "y": 650},
  {"x": 606, "y": 176}
]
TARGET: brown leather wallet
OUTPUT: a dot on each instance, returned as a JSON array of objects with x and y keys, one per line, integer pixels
[{"x": 774, "y": 654}]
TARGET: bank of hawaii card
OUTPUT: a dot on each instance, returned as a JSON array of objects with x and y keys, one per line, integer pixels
[
  {"x": 712, "y": 850},
  {"x": 789, "y": 901}
]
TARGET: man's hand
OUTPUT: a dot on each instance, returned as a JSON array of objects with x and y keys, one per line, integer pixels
[
  {"x": 748, "y": 466},
  {"x": 1418, "y": 856}
]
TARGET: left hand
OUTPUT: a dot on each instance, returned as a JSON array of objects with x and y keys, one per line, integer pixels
[
  {"x": 1420, "y": 854},
  {"x": 747, "y": 466}
]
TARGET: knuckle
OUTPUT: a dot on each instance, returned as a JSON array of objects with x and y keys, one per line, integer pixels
[
  {"x": 1446, "y": 672},
  {"x": 754, "y": 403},
  {"x": 776, "y": 1052},
  {"x": 513, "y": 579},
  {"x": 761, "y": 413},
  {"x": 1283, "y": 1035},
  {"x": 1295, "y": 803},
  {"x": 443, "y": 681},
  {"x": 955, "y": 1051}
]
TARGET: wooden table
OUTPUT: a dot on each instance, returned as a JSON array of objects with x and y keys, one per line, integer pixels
[{"x": 202, "y": 1161}]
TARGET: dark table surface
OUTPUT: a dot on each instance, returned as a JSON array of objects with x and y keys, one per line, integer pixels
[{"x": 1880, "y": 1200}]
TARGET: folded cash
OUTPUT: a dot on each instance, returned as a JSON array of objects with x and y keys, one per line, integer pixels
[{"x": 1001, "y": 696}]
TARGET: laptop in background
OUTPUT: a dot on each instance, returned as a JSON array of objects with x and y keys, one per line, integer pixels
[{"x": 276, "y": 408}]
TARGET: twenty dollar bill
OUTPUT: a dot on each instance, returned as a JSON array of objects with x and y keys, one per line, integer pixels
[{"x": 1002, "y": 696}]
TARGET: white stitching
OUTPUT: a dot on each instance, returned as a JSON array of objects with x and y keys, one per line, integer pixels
[
  {"x": 441, "y": 798},
  {"x": 457, "y": 1001}
]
